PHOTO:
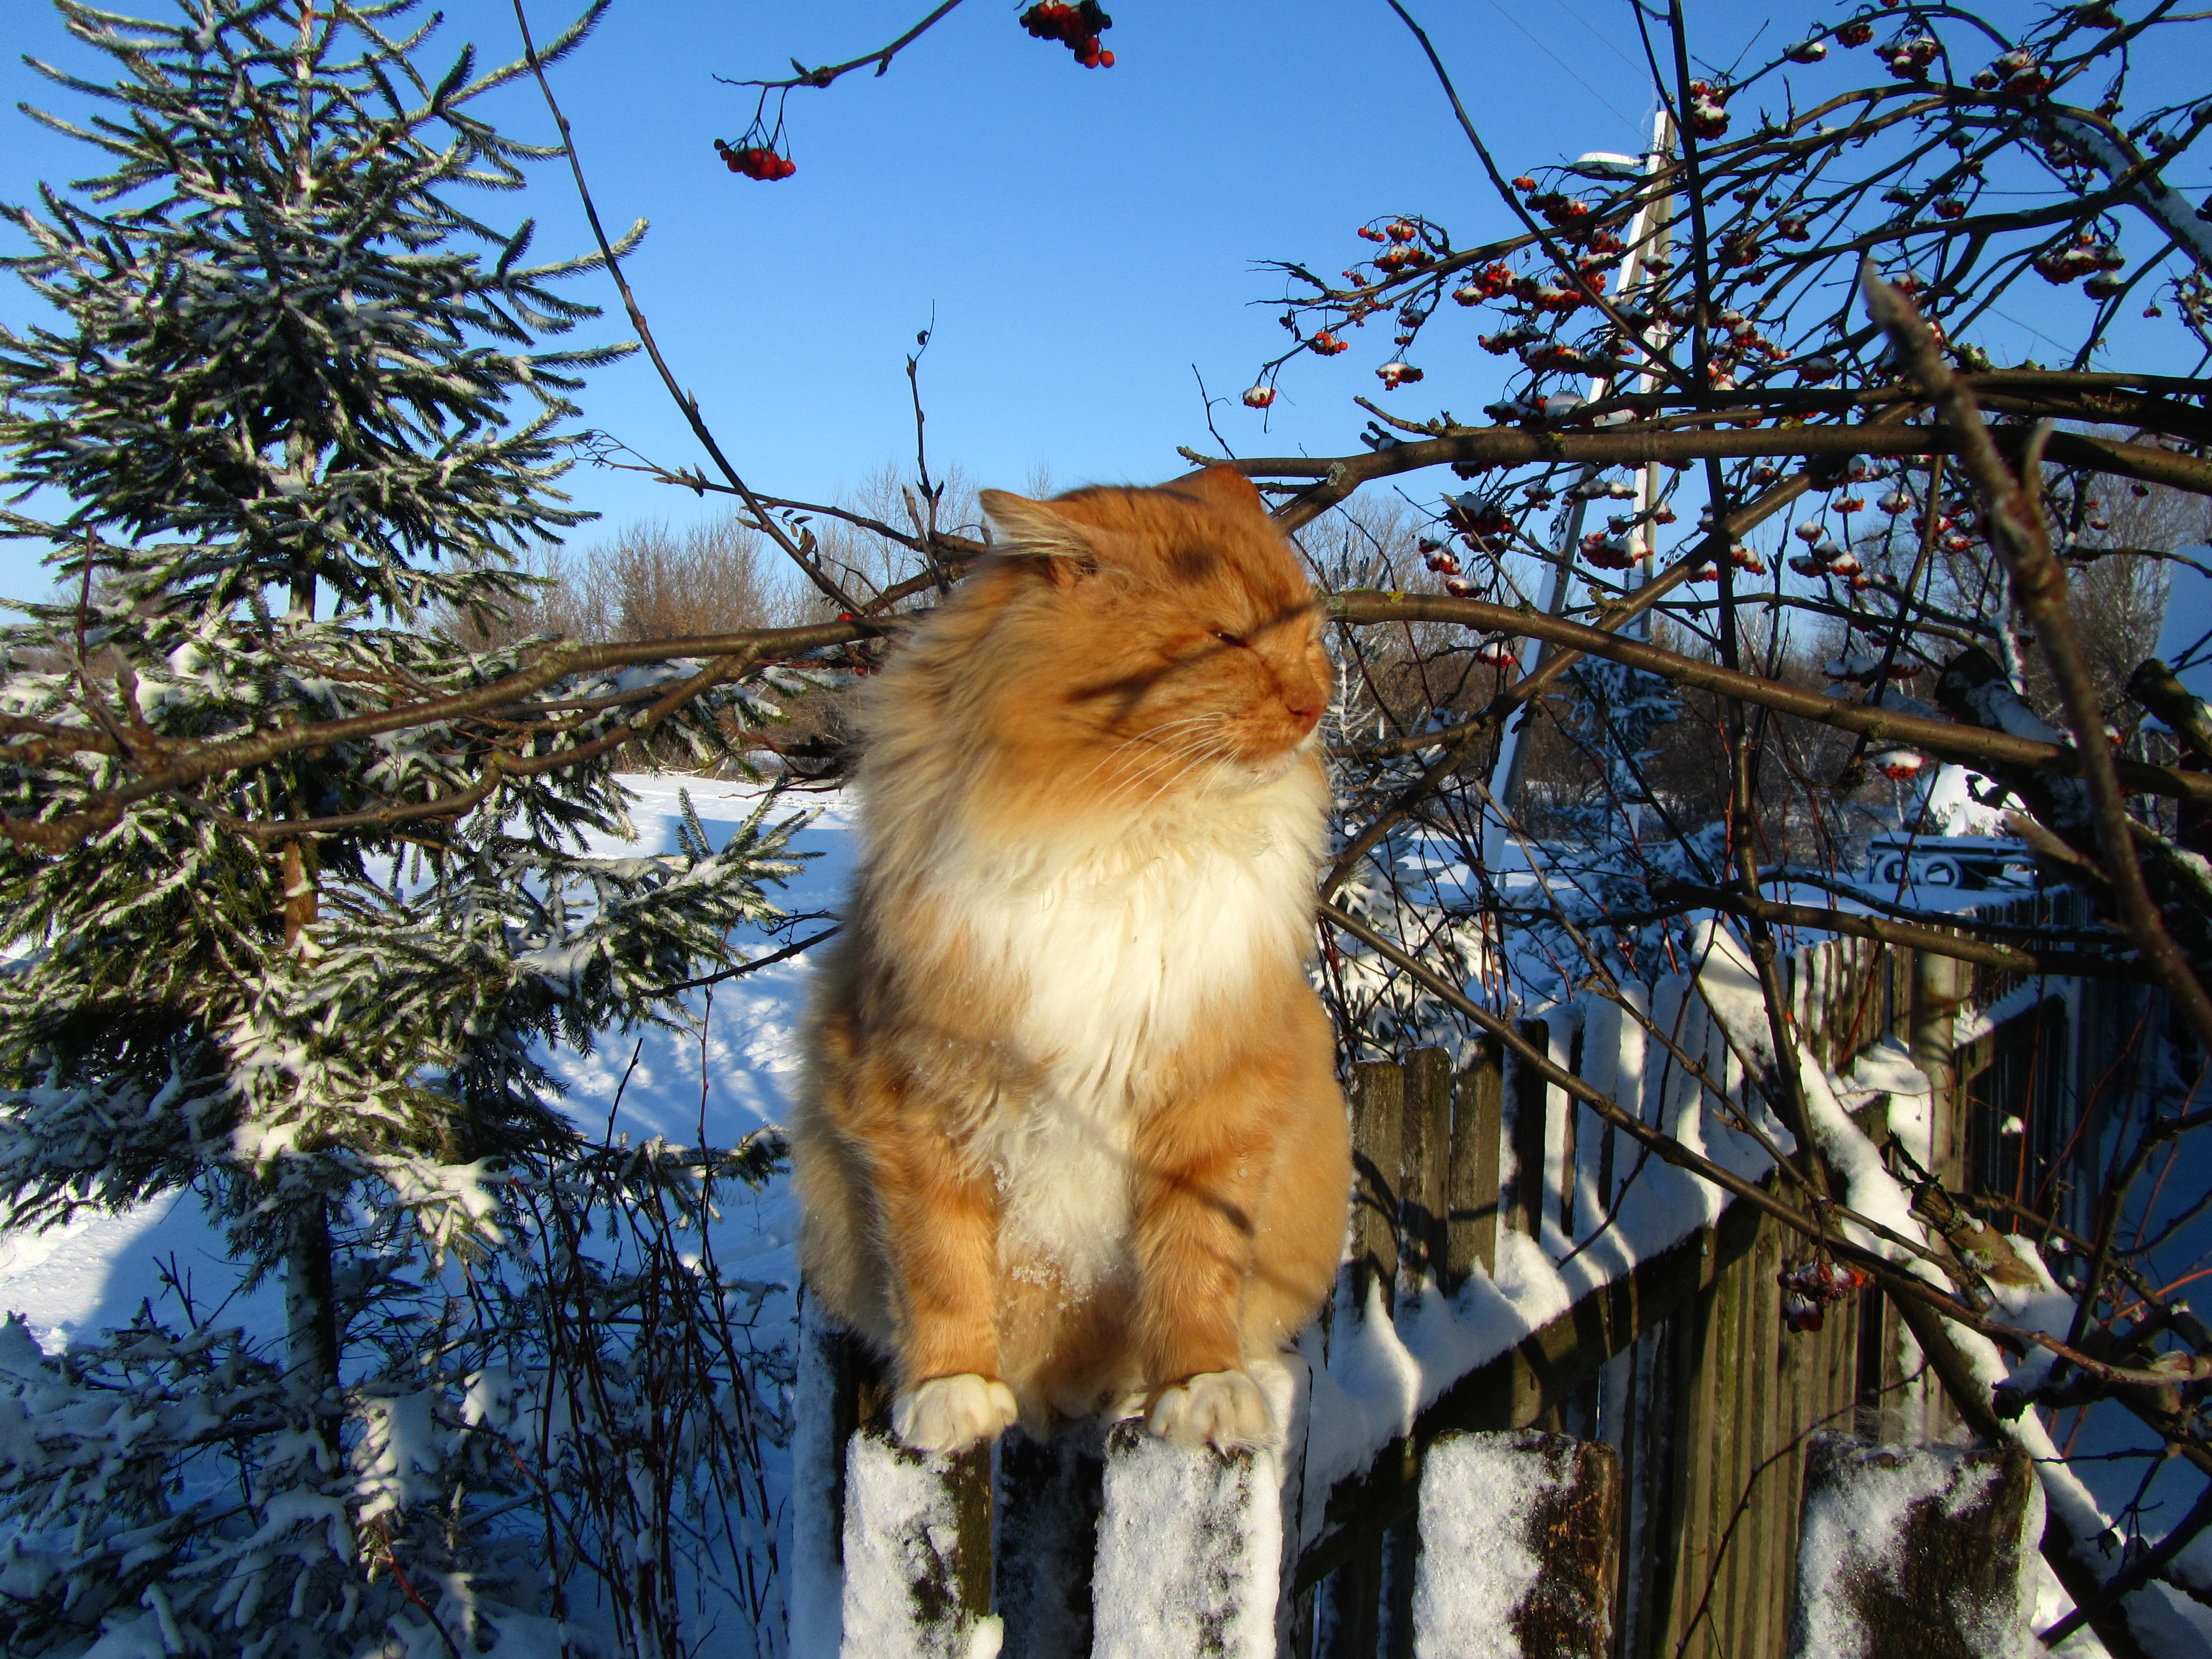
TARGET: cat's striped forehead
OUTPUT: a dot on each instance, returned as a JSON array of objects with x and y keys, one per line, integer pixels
[{"x": 1210, "y": 530}]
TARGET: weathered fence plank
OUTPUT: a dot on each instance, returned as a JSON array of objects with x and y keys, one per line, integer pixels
[
  {"x": 1526, "y": 1106},
  {"x": 1917, "y": 1552},
  {"x": 1378, "y": 1111},
  {"x": 1424, "y": 1162},
  {"x": 1471, "y": 1181}
]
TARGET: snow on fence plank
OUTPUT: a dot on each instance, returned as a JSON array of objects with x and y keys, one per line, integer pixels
[
  {"x": 1517, "y": 1548},
  {"x": 917, "y": 1552},
  {"x": 1189, "y": 1550},
  {"x": 1917, "y": 1552}
]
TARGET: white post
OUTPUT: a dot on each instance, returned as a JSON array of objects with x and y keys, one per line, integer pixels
[{"x": 1648, "y": 239}]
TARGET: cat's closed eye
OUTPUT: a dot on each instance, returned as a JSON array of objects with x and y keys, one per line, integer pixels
[{"x": 1228, "y": 638}]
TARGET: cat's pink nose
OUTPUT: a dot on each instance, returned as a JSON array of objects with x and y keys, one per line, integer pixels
[{"x": 1305, "y": 715}]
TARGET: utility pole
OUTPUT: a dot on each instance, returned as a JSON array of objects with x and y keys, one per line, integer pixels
[{"x": 1650, "y": 238}]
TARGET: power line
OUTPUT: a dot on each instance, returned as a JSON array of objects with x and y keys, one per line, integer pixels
[{"x": 1632, "y": 125}]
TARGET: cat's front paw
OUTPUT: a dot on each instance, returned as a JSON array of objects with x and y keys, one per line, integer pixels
[
  {"x": 951, "y": 1414},
  {"x": 1214, "y": 1408}
]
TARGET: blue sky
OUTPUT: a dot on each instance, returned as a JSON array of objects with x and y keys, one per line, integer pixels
[{"x": 1081, "y": 238}]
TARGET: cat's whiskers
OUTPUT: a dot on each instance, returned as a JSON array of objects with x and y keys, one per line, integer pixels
[
  {"x": 1132, "y": 741},
  {"x": 1166, "y": 759},
  {"x": 1223, "y": 769},
  {"x": 1157, "y": 756}
]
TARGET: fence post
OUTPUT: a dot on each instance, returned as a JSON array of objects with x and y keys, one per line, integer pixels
[
  {"x": 1518, "y": 1534},
  {"x": 1939, "y": 985},
  {"x": 1189, "y": 1550},
  {"x": 1350, "y": 1607},
  {"x": 1423, "y": 1160},
  {"x": 823, "y": 1391},
  {"x": 1425, "y": 1150},
  {"x": 1916, "y": 1552},
  {"x": 917, "y": 1540},
  {"x": 1527, "y": 1099},
  {"x": 917, "y": 1549},
  {"x": 1049, "y": 1495}
]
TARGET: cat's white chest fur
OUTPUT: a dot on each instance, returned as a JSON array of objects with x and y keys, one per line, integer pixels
[{"x": 1114, "y": 950}]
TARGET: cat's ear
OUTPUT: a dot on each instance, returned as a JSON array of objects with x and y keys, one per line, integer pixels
[
  {"x": 1222, "y": 487},
  {"x": 1063, "y": 547}
]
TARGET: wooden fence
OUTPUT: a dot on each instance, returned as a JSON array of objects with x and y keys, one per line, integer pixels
[{"x": 1554, "y": 1407}]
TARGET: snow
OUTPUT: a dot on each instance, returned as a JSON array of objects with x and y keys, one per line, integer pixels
[
  {"x": 714, "y": 1082},
  {"x": 811, "y": 1529},
  {"x": 901, "y": 1529},
  {"x": 1190, "y": 1542},
  {"x": 89, "y": 1274},
  {"x": 1482, "y": 1496},
  {"x": 1855, "y": 1526}
]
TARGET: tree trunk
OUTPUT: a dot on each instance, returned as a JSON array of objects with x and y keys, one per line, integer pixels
[{"x": 310, "y": 1317}]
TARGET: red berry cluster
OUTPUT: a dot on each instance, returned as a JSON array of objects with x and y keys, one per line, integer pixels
[
  {"x": 1829, "y": 558},
  {"x": 1709, "y": 117},
  {"x": 1607, "y": 552},
  {"x": 1909, "y": 60},
  {"x": 755, "y": 161},
  {"x": 2085, "y": 255},
  {"x": 1490, "y": 283},
  {"x": 1556, "y": 355},
  {"x": 2018, "y": 71},
  {"x": 1808, "y": 1288},
  {"x": 1855, "y": 33},
  {"x": 1739, "y": 248},
  {"x": 1485, "y": 521},
  {"x": 1077, "y": 28},
  {"x": 1442, "y": 560}
]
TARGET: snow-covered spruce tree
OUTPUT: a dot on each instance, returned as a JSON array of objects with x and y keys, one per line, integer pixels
[{"x": 274, "y": 422}]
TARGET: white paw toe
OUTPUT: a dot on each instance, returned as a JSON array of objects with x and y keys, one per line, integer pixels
[
  {"x": 1215, "y": 1408},
  {"x": 951, "y": 1414}
]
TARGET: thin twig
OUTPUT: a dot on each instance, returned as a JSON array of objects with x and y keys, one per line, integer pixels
[
  {"x": 685, "y": 400},
  {"x": 881, "y": 58}
]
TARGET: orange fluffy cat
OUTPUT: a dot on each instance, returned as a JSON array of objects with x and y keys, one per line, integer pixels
[{"x": 1072, "y": 1133}]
